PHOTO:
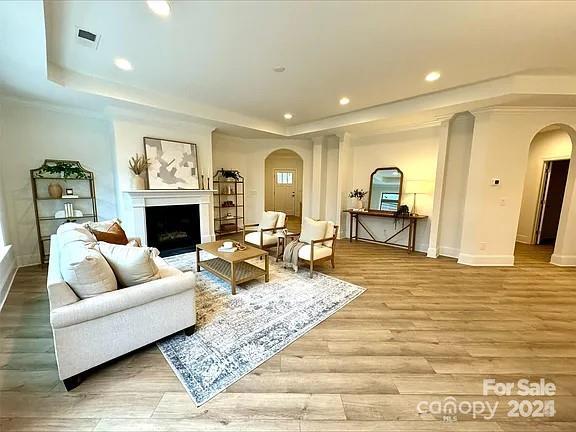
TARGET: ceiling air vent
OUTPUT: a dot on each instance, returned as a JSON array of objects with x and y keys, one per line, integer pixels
[{"x": 87, "y": 38}]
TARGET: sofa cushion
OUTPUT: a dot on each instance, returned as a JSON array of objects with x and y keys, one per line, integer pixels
[
  {"x": 85, "y": 270},
  {"x": 131, "y": 265},
  {"x": 312, "y": 230},
  {"x": 72, "y": 232},
  {"x": 114, "y": 235},
  {"x": 254, "y": 238},
  {"x": 319, "y": 252},
  {"x": 120, "y": 300},
  {"x": 268, "y": 220}
]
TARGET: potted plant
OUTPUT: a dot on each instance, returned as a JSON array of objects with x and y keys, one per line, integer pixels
[
  {"x": 138, "y": 164},
  {"x": 230, "y": 175},
  {"x": 63, "y": 170},
  {"x": 358, "y": 195}
]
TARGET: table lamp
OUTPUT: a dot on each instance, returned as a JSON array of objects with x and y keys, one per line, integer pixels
[{"x": 417, "y": 187}]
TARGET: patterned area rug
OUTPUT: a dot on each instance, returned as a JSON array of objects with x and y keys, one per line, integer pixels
[{"x": 235, "y": 334}]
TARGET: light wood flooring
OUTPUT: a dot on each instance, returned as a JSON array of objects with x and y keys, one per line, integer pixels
[{"x": 425, "y": 329}]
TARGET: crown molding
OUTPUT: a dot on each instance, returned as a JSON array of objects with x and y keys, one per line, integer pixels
[
  {"x": 63, "y": 109},
  {"x": 522, "y": 109}
]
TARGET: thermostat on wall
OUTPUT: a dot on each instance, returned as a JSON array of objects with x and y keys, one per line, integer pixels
[{"x": 495, "y": 182}]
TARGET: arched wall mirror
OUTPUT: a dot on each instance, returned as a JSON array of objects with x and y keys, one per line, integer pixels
[{"x": 385, "y": 189}]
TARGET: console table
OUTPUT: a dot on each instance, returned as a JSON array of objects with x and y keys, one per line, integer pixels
[{"x": 409, "y": 222}]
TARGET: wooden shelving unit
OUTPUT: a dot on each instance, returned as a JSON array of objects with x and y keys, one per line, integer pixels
[
  {"x": 45, "y": 206},
  {"x": 228, "y": 202}
]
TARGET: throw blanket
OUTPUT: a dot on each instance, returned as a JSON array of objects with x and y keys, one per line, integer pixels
[{"x": 291, "y": 254}]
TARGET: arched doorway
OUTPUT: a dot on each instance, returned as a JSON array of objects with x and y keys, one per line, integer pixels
[
  {"x": 283, "y": 184},
  {"x": 545, "y": 198}
]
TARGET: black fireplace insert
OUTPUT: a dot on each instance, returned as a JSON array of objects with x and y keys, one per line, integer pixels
[{"x": 173, "y": 229}]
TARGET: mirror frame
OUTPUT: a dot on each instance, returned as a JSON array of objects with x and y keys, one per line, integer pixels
[{"x": 399, "y": 193}]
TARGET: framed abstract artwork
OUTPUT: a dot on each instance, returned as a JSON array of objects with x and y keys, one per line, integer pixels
[{"x": 173, "y": 164}]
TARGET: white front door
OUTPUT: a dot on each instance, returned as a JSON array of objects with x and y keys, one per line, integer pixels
[{"x": 285, "y": 190}]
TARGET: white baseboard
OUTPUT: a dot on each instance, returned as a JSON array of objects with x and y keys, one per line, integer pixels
[
  {"x": 521, "y": 238},
  {"x": 449, "y": 251},
  {"x": 7, "y": 272},
  {"x": 486, "y": 260},
  {"x": 27, "y": 260},
  {"x": 432, "y": 252},
  {"x": 563, "y": 260}
]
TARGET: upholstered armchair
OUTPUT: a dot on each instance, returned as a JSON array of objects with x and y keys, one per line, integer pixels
[
  {"x": 263, "y": 235},
  {"x": 320, "y": 249}
]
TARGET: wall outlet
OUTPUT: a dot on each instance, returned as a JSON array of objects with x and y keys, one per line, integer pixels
[{"x": 483, "y": 245}]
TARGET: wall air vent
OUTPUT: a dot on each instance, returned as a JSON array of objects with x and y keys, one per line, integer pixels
[{"x": 87, "y": 38}]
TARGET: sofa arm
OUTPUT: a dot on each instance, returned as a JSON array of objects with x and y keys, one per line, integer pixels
[{"x": 120, "y": 300}]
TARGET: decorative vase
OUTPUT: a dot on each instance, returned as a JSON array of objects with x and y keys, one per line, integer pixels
[
  {"x": 55, "y": 190},
  {"x": 138, "y": 182},
  {"x": 359, "y": 204}
]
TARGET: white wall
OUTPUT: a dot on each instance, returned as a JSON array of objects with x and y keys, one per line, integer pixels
[
  {"x": 129, "y": 133},
  {"x": 546, "y": 146},
  {"x": 33, "y": 132},
  {"x": 500, "y": 149},
  {"x": 414, "y": 152},
  {"x": 7, "y": 258},
  {"x": 282, "y": 161},
  {"x": 248, "y": 156},
  {"x": 454, "y": 185}
]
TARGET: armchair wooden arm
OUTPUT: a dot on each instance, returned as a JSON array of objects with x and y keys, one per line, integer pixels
[
  {"x": 331, "y": 256},
  {"x": 261, "y": 231}
]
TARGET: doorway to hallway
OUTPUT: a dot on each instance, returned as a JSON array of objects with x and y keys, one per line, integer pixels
[{"x": 554, "y": 178}]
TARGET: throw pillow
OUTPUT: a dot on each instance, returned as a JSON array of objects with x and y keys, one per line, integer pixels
[
  {"x": 102, "y": 225},
  {"x": 268, "y": 220},
  {"x": 131, "y": 265},
  {"x": 114, "y": 235},
  {"x": 86, "y": 271},
  {"x": 312, "y": 230}
]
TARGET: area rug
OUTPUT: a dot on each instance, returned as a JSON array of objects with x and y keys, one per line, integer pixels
[{"x": 235, "y": 334}]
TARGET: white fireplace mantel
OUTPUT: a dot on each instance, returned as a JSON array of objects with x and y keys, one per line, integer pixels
[{"x": 138, "y": 200}]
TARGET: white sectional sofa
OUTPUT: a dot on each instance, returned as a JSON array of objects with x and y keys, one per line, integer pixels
[{"x": 91, "y": 331}]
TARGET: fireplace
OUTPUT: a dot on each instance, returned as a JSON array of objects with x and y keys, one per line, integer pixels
[{"x": 173, "y": 229}]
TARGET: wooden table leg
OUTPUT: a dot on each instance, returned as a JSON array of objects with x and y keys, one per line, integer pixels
[
  {"x": 414, "y": 236},
  {"x": 351, "y": 223},
  {"x": 267, "y": 269},
  {"x": 356, "y": 237},
  {"x": 279, "y": 244},
  {"x": 232, "y": 278},
  {"x": 197, "y": 259}
]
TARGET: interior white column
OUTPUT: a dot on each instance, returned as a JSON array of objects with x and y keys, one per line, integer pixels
[
  {"x": 344, "y": 181},
  {"x": 438, "y": 189},
  {"x": 317, "y": 169}
]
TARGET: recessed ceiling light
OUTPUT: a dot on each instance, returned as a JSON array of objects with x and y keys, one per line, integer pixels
[
  {"x": 344, "y": 101},
  {"x": 122, "y": 63},
  {"x": 288, "y": 116},
  {"x": 159, "y": 7},
  {"x": 279, "y": 69},
  {"x": 432, "y": 76}
]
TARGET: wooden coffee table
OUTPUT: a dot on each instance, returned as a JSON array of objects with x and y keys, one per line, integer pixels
[{"x": 232, "y": 266}]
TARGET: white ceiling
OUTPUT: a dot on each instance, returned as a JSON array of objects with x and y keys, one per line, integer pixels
[
  {"x": 212, "y": 61},
  {"x": 221, "y": 54}
]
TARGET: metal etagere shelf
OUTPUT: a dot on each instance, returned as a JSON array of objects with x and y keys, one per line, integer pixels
[
  {"x": 228, "y": 202},
  {"x": 49, "y": 208}
]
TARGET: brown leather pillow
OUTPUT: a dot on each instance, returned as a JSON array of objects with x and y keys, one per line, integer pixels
[{"x": 114, "y": 235}]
